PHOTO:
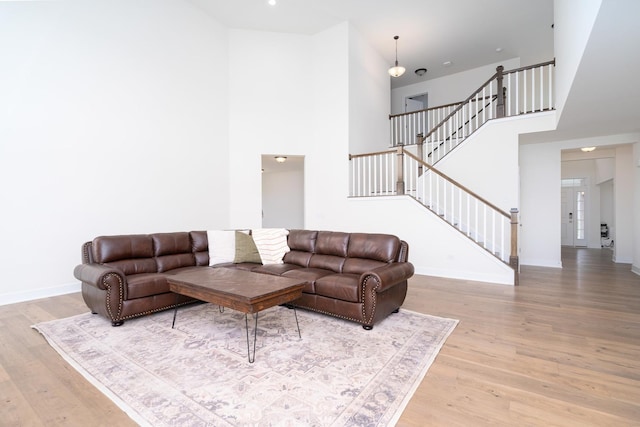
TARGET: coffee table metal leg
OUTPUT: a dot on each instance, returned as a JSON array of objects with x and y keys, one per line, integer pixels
[
  {"x": 250, "y": 356},
  {"x": 175, "y": 312},
  {"x": 295, "y": 313}
]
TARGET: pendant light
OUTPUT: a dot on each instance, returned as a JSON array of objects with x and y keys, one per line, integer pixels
[{"x": 397, "y": 70}]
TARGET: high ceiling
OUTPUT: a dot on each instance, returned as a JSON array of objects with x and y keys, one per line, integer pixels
[{"x": 465, "y": 33}]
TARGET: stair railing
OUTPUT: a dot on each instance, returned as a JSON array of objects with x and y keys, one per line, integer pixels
[
  {"x": 507, "y": 93},
  {"x": 399, "y": 171},
  {"x": 405, "y": 126}
]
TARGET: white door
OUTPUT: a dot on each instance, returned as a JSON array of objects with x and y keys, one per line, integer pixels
[
  {"x": 574, "y": 212},
  {"x": 567, "y": 217}
]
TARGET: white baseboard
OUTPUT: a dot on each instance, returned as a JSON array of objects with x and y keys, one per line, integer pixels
[
  {"x": 635, "y": 269},
  {"x": 500, "y": 279},
  {"x": 16, "y": 297}
]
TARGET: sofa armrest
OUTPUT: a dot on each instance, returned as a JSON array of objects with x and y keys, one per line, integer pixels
[
  {"x": 100, "y": 276},
  {"x": 388, "y": 276}
]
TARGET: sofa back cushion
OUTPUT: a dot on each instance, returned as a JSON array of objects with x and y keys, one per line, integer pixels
[
  {"x": 200, "y": 247},
  {"x": 330, "y": 251},
  {"x": 301, "y": 243},
  {"x": 172, "y": 250},
  {"x": 302, "y": 240},
  {"x": 379, "y": 247},
  {"x": 369, "y": 251},
  {"x": 332, "y": 243},
  {"x": 133, "y": 254}
]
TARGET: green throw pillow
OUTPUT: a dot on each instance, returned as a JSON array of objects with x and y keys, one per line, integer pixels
[{"x": 246, "y": 250}]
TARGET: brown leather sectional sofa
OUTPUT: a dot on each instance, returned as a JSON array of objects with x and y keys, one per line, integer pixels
[{"x": 355, "y": 276}]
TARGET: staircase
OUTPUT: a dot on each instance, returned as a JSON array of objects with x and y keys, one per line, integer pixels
[{"x": 422, "y": 139}]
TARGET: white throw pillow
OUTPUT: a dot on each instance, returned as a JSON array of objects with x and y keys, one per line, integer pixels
[
  {"x": 271, "y": 244},
  {"x": 222, "y": 246}
]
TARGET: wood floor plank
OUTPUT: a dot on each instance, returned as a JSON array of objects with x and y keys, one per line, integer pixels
[{"x": 561, "y": 349}]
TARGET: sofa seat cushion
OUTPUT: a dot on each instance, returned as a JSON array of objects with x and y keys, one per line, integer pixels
[
  {"x": 146, "y": 284},
  {"x": 310, "y": 275},
  {"x": 184, "y": 269},
  {"x": 327, "y": 262},
  {"x": 276, "y": 269},
  {"x": 247, "y": 266},
  {"x": 339, "y": 286}
]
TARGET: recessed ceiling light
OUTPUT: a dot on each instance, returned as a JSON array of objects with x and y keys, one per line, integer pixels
[
  {"x": 272, "y": 2},
  {"x": 421, "y": 71},
  {"x": 281, "y": 159},
  {"x": 446, "y": 64},
  {"x": 498, "y": 49},
  {"x": 588, "y": 149}
]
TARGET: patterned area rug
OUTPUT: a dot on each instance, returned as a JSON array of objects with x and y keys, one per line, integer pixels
[{"x": 198, "y": 374}]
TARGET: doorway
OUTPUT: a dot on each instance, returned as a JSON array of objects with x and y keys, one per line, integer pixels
[
  {"x": 282, "y": 191},
  {"x": 574, "y": 212},
  {"x": 416, "y": 102}
]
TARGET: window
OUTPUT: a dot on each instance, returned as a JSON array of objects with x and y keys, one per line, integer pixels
[
  {"x": 573, "y": 182},
  {"x": 580, "y": 215}
]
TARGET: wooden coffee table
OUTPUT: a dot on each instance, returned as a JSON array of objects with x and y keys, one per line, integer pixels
[{"x": 239, "y": 290}]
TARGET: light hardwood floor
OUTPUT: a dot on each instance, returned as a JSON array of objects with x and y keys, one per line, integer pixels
[{"x": 563, "y": 348}]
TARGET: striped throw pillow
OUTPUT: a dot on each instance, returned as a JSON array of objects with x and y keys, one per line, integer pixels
[{"x": 271, "y": 244}]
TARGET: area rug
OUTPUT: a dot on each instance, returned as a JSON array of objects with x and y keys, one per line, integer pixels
[{"x": 337, "y": 374}]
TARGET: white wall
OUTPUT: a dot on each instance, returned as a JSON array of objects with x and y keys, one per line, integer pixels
[
  {"x": 271, "y": 111},
  {"x": 540, "y": 197},
  {"x": 539, "y": 238},
  {"x": 369, "y": 89},
  {"x": 636, "y": 209},
  {"x": 113, "y": 120},
  {"x": 605, "y": 169},
  {"x": 487, "y": 162},
  {"x": 623, "y": 189},
  {"x": 304, "y": 111},
  {"x": 327, "y": 165},
  {"x": 449, "y": 89},
  {"x": 572, "y": 28}
]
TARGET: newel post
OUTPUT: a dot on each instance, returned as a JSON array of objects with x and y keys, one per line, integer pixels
[
  {"x": 400, "y": 169},
  {"x": 500, "y": 106},
  {"x": 513, "y": 258}
]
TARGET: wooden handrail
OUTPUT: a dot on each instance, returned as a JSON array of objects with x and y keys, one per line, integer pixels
[
  {"x": 499, "y": 74},
  {"x": 443, "y": 121},
  {"x": 500, "y": 243},
  {"x": 529, "y": 67},
  {"x": 355, "y": 156},
  {"x": 469, "y": 120},
  {"x": 457, "y": 184},
  {"x": 400, "y": 149}
]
